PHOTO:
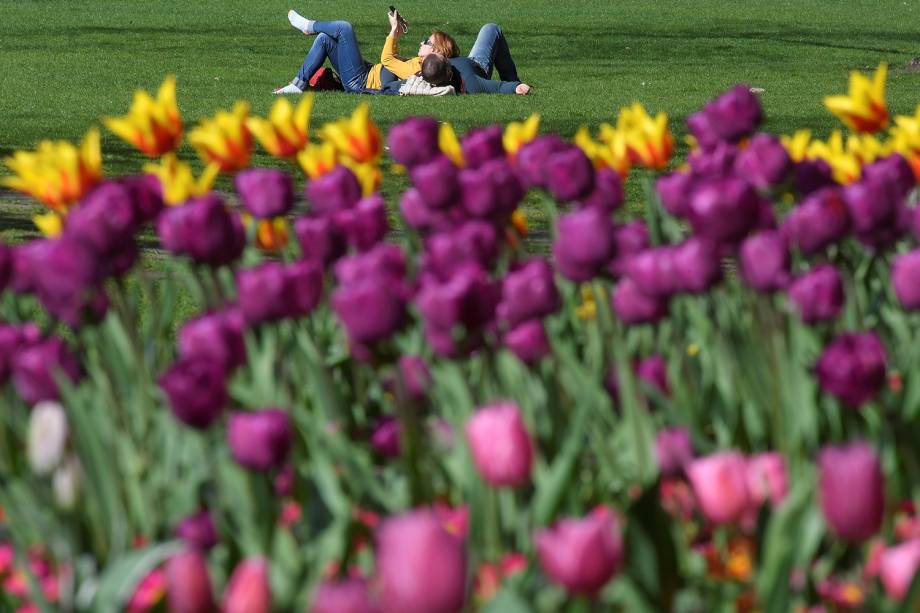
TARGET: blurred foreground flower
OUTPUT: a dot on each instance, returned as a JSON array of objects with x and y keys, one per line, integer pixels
[
  {"x": 248, "y": 590},
  {"x": 863, "y": 108},
  {"x": 356, "y": 137},
  {"x": 225, "y": 139},
  {"x": 648, "y": 139},
  {"x": 285, "y": 131},
  {"x": 47, "y": 436},
  {"x": 500, "y": 444},
  {"x": 852, "y": 490},
  {"x": 154, "y": 127},
  {"x": 178, "y": 182},
  {"x": 519, "y": 133},
  {"x": 581, "y": 554}
]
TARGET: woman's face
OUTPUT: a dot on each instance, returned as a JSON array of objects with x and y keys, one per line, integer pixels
[{"x": 425, "y": 48}]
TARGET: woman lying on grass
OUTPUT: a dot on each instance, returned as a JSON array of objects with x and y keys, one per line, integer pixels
[{"x": 336, "y": 40}]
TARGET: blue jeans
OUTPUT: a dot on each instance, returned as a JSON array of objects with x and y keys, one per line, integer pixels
[
  {"x": 335, "y": 40},
  {"x": 491, "y": 50}
]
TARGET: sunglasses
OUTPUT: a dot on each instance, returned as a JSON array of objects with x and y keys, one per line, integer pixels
[{"x": 427, "y": 42}]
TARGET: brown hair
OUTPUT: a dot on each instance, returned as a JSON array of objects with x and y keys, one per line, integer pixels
[
  {"x": 436, "y": 69},
  {"x": 443, "y": 43}
]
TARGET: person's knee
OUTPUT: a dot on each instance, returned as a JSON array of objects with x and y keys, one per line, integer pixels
[
  {"x": 491, "y": 27},
  {"x": 343, "y": 26}
]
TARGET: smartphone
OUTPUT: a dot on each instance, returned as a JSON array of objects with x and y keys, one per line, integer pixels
[{"x": 403, "y": 24}]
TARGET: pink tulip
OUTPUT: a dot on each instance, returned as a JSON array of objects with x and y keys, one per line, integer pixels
[
  {"x": 500, "y": 444},
  {"x": 248, "y": 590},
  {"x": 720, "y": 485},
  {"x": 420, "y": 566},
  {"x": 897, "y": 567},
  {"x": 852, "y": 490},
  {"x": 188, "y": 584},
  {"x": 345, "y": 596},
  {"x": 581, "y": 554},
  {"x": 767, "y": 479}
]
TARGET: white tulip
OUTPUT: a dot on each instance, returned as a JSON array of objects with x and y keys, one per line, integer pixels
[
  {"x": 47, "y": 436},
  {"x": 66, "y": 482}
]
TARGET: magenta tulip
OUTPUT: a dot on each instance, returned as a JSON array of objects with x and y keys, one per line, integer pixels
[
  {"x": 852, "y": 490},
  {"x": 720, "y": 485},
  {"x": 500, "y": 445},
  {"x": 188, "y": 584},
  {"x": 344, "y": 596},
  {"x": 674, "y": 450},
  {"x": 248, "y": 590},
  {"x": 897, "y": 567},
  {"x": 852, "y": 368},
  {"x": 905, "y": 278},
  {"x": 818, "y": 294},
  {"x": 260, "y": 440},
  {"x": 767, "y": 478},
  {"x": 583, "y": 554}
]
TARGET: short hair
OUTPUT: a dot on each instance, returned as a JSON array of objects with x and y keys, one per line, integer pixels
[
  {"x": 436, "y": 69},
  {"x": 443, "y": 43}
]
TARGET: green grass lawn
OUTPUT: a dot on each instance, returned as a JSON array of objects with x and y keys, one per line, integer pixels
[{"x": 67, "y": 64}]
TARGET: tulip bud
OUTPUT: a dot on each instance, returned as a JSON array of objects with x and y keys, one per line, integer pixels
[
  {"x": 720, "y": 485},
  {"x": 303, "y": 288},
  {"x": 344, "y": 596},
  {"x": 350, "y": 305},
  {"x": 584, "y": 243},
  {"x": 764, "y": 261},
  {"x": 874, "y": 207},
  {"x": 734, "y": 114},
  {"x": 481, "y": 145},
  {"x": 416, "y": 378},
  {"x": 198, "y": 530},
  {"x": 335, "y": 191},
  {"x": 146, "y": 195},
  {"x": 213, "y": 235},
  {"x": 36, "y": 365},
  {"x": 414, "y": 141},
  {"x": 366, "y": 224},
  {"x": 715, "y": 162},
  {"x": 630, "y": 239},
  {"x": 531, "y": 158},
  {"x": 724, "y": 210},
  {"x": 248, "y": 590},
  {"x": 905, "y": 278},
  {"x": 528, "y": 292},
  {"x": 674, "y": 450},
  {"x": 897, "y": 567},
  {"x": 654, "y": 271},
  {"x": 11, "y": 339},
  {"x": 607, "y": 194},
  {"x": 6, "y": 266},
  {"x": 852, "y": 368},
  {"x": 852, "y": 490},
  {"x": 569, "y": 175},
  {"x": 893, "y": 170},
  {"x": 437, "y": 182},
  {"x": 653, "y": 371},
  {"x": 528, "y": 341},
  {"x": 260, "y": 440},
  {"x": 812, "y": 175},
  {"x": 562, "y": 551},
  {"x": 320, "y": 238},
  {"x": 188, "y": 584},
  {"x": 66, "y": 483},
  {"x": 818, "y": 221},
  {"x": 634, "y": 307},
  {"x": 197, "y": 391},
  {"x": 767, "y": 478},
  {"x": 818, "y": 294},
  {"x": 500, "y": 445},
  {"x": 47, "y": 436},
  {"x": 216, "y": 336},
  {"x": 385, "y": 438},
  {"x": 420, "y": 566},
  {"x": 675, "y": 190},
  {"x": 105, "y": 220},
  {"x": 447, "y": 252},
  {"x": 265, "y": 192},
  {"x": 697, "y": 266},
  {"x": 764, "y": 163}
]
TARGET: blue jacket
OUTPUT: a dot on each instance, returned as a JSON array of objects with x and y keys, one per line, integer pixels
[{"x": 470, "y": 78}]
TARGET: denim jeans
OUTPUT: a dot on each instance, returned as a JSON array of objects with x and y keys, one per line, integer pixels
[
  {"x": 491, "y": 50},
  {"x": 335, "y": 40}
]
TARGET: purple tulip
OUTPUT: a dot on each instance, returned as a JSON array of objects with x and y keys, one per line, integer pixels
[
  {"x": 905, "y": 278},
  {"x": 320, "y": 239},
  {"x": 350, "y": 303},
  {"x": 697, "y": 266},
  {"x": 892, "y": 169},
  {"x": 12, "y": 338},
  {"x": 734, "y": 115},
  {"x": 584, "y": 243},
  {"x": 481, "y": 145},
  {"x": 719, "y": 484},
  {"x": 852, "y": 490},
  {"x": 198, "y": 530},
  {"x": 366, "y": 224},
  {"x": 764, "y": 163},
  {"x": 528, "y": 292},
  {"x": 531, "y": 158},
  {"x": 416, "y": 213},
  {"x": 202, "y": 229},
  {"x": 812, "y": 175},
  {"x": 852, "y": 368},
  {"x": 634, "y": 307},
  {"x": 197, "y": 391},
  {"x": 724, "y": 210},
  {"x": 528, "y": 341},
  {"x": 265, "y": 192},
  {"x": 303, "y": 287},
  {"x": 383, "y": 260},
  {"x": 146, "y": 196},
  {"x": 188, "y": 584},
  {"x": 569, "y": 175},
  {"x": 437, "y": 182},
  {"x": 700, "y": 126},
  {"x": 653, "y": 371},
  {"x": 446, "y": 252},
  {"x": 105, "y": 220},
  {"x": 415, "y": 376},
  {"x": 764, "y": 261},
  {"x": 63, "y": 269},
  {"x": 467, "y": 299},
  {"x": 420, "y": 566},
  {"x": 350, "y": 595},
  {"x": 509, "y": 190},
  {"x": 821, "y": 219},
  {"x": 261, "y": 292},
  {"x": 6, "y": 266},
  {"x": 385, "y": 439},
  {"x": 491, "y": 191},
  {"x": 630, "y": 239},
  {"x": 715, "y": 162},
  {"x": 260, "y": 440},
  {"x": 654, "y": 271},
  {"x": 562, "y": 550},
  {"x": 675, "y": 191},
  {"x": 818, "y": 294},
  {"x": 674, "y": 450},
  {"x": 874, "y": 206},
  {"x": 215, "y": 336},
  {"x": 414, "y": 141},
  {"x": 607, "y": 194},
  {"x": 35, "y": 366},
  {"x": 335, "y": 191}
]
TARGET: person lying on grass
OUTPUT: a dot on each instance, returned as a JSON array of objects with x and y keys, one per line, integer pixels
[
  {"x": 473, "y": 74},
  {"x": 336, "y": 41}
]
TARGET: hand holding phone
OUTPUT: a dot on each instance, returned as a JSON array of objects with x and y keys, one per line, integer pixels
[{"x": 402, "y": 23}]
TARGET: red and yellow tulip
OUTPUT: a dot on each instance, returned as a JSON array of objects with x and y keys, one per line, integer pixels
[
  {"x": 612, "y": 153},
  {"x": 284, "y": 132},
  {"x": 153, "y": 127},
  {"x": 450, "y": 145},
  {"x": 846, "y": 158},
  {"x": 318, "y": 159},
  {"x": 905, "y": 139},
  {"x": 368, "y": 175},
  {"x": 177, "y": 180},
  {"x": 271, "y": 235},
  {"x": 863, "y": 108},
  {"x": 519, "y": 133},
  {"x": 224, "y": 140},
  {"x": 797, "y": 144},
  {"x": 356, "y": 137},
  {"x": 57, "y": 173},
  {"x": 648, "y": 140}
]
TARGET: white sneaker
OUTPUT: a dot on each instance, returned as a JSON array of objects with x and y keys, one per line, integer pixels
[{"x": 290, "y": 88}]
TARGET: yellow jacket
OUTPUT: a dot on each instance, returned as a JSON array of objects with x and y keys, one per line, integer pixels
[{"x": 401, "y": 68}]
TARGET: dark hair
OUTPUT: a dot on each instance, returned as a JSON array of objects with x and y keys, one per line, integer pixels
[{"x": 436, "y": 69}]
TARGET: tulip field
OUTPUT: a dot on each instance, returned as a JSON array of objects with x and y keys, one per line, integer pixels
[{"x": 304, "y": 353}]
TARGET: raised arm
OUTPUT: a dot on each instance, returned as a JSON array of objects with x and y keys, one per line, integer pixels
[{"x": 401, "y": 68}]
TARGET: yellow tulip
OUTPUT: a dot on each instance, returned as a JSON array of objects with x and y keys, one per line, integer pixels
[
  {"x": 519, "y": 133},
  {"x": 356, "y": 137},
  {"x": 905, "y": 139},
  {"x": 177, "y": 180},
  {"x": 450, "y": 145},
  {"x": 317, "y": 160},
  {"x": 797, "y": 144},
  {"x": 285, "y": 131},
  {"x": 845, "y": 165},
  {"x": 154, "y": 127},
  {"x": 611, "y": 153},
  {"x": 57, "y": 173},
  {"x": 50, "y": 224},
  {"x": 224, "y": 140},
  {"x": 648, "y": 139},
  {"x": 863, "y": 108},
  {"x": 368, "y": 175}
]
